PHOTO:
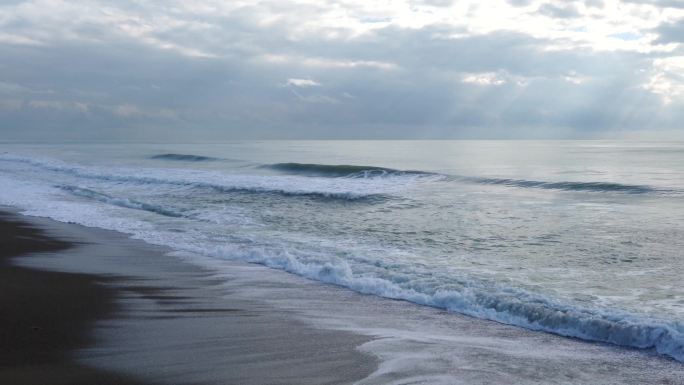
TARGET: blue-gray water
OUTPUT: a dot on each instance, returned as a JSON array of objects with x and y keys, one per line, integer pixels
[{"x": 582, "y": 239}]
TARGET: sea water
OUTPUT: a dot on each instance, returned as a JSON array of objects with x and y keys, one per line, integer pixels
[{"x": 577, "y": 238}]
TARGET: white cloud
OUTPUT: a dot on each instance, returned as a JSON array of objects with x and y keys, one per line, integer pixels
[
  {"x": 400, "y": 63},
  {"x": 320, "y": 62},
  {"x": 58, "y": 105},
  {"x": 7, "y": 38},
  {"x": 303, "y": 83},
  {"x": 574, "y": 78},
  {"x": 484, "y": 79},
  {"x": 15, "y": 88},
  {"x": 129, "y": 111},
  {"x": 667, "y": 78}
]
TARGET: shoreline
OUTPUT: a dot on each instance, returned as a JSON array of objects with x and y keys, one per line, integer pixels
[
  {"x": 46, "y": 314},
  {"x": 121, "y": 312},
  {"x": 188, "y": 319}
]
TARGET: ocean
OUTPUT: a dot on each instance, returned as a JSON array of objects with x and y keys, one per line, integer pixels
[{"x": 581, "y": 239}]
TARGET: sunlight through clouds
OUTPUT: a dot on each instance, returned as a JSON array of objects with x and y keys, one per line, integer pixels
[
  {"x": 216, "y": 65},
  {"x": 667, "y": 79}
]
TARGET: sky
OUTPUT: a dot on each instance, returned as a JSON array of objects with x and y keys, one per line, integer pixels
[{"x": 345, "y": 69}]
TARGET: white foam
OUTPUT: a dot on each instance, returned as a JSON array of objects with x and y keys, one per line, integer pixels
[
  {"x": 338, "y": 188},
  {"x": 501, "y": 304}
]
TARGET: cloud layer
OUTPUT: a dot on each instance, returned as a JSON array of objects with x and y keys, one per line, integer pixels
[{"x": 340, "y": 69}]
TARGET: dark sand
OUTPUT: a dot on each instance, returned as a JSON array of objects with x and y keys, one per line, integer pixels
[
  {"x": 94, "y": 307},
  {"x": 44, "y": 315}
]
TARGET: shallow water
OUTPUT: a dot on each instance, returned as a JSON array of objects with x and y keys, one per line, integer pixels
[{"x": 580, "y": 239}]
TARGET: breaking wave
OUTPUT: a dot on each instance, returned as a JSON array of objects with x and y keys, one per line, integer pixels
[
  {"x": 502, "y": 304},
  {"x": 567, "y": 186},
  {"x": 121, "y": 202},
  {"x": 228, "y": 183},
  {"x": 339, "y": 170},
  {"x": 183, "y": 157},
  {"x": 472, "y": 297},
  {"x": 352, "y": 171},
  {"x": 334, "y": 181}
]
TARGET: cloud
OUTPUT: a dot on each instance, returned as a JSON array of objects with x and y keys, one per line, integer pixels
[
  {"x": 6, "y": 38},
  {"x": 326, "y": 62},
  {"x": 594, "y": 3},
  {"x": 520, "y": 3},
  {"x": 559, "y": 11},
  {"x": 57, "y": 105},
  {"x": 10, "y": 105},
  {"x": 272, "y": 69},
  {"x": 484, "y": 79},
  {"x": 672, "y": 32},
  {"x": 435, "y": 3},
  {"x": 667, "y": 79},
  {"x": 659, "y": 3},
  {"x": 129, "y": 110},
  {"x": 302, "y": 82}
]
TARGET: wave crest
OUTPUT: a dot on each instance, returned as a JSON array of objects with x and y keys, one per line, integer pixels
[
  {"x": 502, "y": 304},
  {"x": 183, "y": 157},
  {"x": 121, "y": 202},
  {"x": 477, "y": 299},
  {"x": 288, "y": 186},
  {"x": 353, "y": 171},
  {"x": 339, "y": 170},
  {"x": 567, "y": 186}
]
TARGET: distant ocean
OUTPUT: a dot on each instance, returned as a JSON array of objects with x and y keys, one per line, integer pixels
[{"x": 577, "y": 238}]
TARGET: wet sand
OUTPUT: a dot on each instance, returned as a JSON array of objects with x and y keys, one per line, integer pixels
[
  {"x": 45, "y": 315},
  {"x": 87, "y": 306},
  {"x": 149, "y": 317}
]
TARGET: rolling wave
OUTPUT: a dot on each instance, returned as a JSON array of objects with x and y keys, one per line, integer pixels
[
  {"x": 121, "y": 202},
  {"x": 339, "y": 170},
  {"x": 567, "y": 186},
  {"x": 226, "y": 183},
  {"x": 352, "y": 171},
  {"x": 478, "y": 299},
  {"x": 334, "y": 188},
  {"x": 485, "y": 301},
  {"x": 183, "y": 157}
]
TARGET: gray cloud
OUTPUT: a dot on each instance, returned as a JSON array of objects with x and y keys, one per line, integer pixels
[
  {"x": 660, "y": 3},
  {"x": 594, "y": 3},
  {"x": 671, "y": 32},
  {"x": 559, "y": 11},
  {"x": 435, "y": 3},
  {"x": 157, "y": 72},
  {"x": 520, "y": 3}
]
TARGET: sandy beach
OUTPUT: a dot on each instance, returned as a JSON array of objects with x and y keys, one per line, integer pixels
[
  {"x": 46, "y": 314},
  {"x": 88, "y": 306},
  {"x": 165, "y": 323},
  {"x": 409, "y": 192}
]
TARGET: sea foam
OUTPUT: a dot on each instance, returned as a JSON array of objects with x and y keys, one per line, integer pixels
[
  {"x": 474, "y": 297},
  {"x": 355, "y": 171},
  {"x": 326, "y": 188}
]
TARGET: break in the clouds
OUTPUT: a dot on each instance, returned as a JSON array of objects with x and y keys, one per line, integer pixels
[{"x": 340, "y": 69}]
